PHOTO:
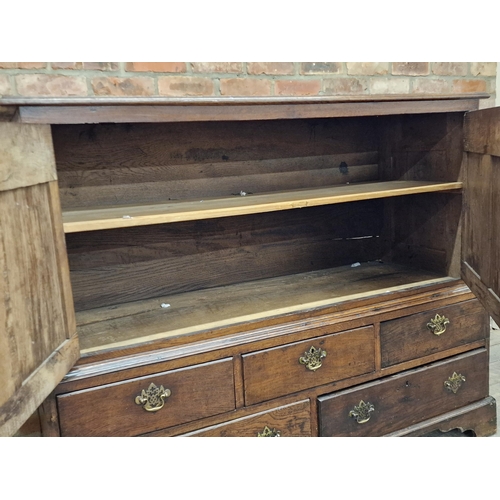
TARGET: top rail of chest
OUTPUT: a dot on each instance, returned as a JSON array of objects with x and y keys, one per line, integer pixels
[{"x": 158, "y": 109}]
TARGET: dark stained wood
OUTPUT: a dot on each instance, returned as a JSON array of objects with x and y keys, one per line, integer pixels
[
  {"x": 479, "y": 417},
  {"x": 150, "y": 163},
  {"x": 480, "y": 241},
  {"x": 129, "y": 265},
  {"x": 217, "y": 101},
  {"x": 275, "y": 372},
  {"x": 290, "y": 421},
  {"x": 406, "y": 398},
  {"x": 183, "y": 113},
  {"x": 196, "y": 392},
  {"x": 409, "y": 337}
]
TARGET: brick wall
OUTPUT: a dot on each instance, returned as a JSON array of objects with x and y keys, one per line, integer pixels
[{"x": 199, "y": 79}]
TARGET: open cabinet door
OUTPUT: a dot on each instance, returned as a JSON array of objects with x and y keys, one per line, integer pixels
[
  {"x": 481, "y": 234},
  {"x": 38, "y": 342}
]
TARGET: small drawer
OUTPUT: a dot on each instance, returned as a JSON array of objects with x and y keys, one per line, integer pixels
[
  {"x": 285, "y": 421},
  {"x": 392, "y": 404},
  {"x": 433, "y": 331},
  {"x": 294, "y": 367},
  {"x": 131, "y": 408}
]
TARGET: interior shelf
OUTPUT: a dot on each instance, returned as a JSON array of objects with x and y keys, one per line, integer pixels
[
  {"x": 109, "y": 217},
  {"x": 191, "y": 312}
]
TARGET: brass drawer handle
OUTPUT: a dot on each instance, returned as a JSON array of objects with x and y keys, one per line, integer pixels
[
  {"x": 437, "y": 325},
  {"x": 454, "y": 382},
  {"x": 154, "y": 398},
  {"x": 269, "y": 433},
  {"x": 312, "y": 358},
  {"x": 362, "y": 412}
]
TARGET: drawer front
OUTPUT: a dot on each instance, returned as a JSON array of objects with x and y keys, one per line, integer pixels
[
  {"x": 385, "y": 406},
  {"x": 410, "y": 337},
  {"x": 292, "y": 420},
  {"x": 286, "y": 369},
  {"x": 130, "y": 408}
]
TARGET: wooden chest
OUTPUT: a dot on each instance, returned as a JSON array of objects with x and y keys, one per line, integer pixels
[{"x": 249, "y": 267}]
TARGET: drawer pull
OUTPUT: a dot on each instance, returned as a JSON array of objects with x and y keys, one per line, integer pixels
[
  {"x": 454, "y": 382},
  {"x": 362, "y": 412},
  {"x": 268, "y": 433},
  {"x": 154, "y": 398},
  {"x": 312, "y": 358},
  {"x": 437, "y": 325}
]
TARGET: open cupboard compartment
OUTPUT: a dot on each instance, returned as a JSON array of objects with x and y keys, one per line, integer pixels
[{"x": 174, "y": 229}]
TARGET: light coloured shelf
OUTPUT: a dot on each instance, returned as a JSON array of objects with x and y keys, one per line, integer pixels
[{"x": 110, "y": 217}]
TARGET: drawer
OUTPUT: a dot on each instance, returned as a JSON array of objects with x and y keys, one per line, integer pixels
[
  {"x": 119, "y": 409},
  {"x": 287, "y": 369},
  {"x": 388, "y": 405},
  {"x": 410, "y": 337},
  {"x": 286, "y": 421}
]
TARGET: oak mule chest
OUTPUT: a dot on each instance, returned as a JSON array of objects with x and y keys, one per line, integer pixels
[{"x": 248, "y": 267}]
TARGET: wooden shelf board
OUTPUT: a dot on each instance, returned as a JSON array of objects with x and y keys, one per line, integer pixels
[
  {"x": 116, "y": 327},
  {"x": 92, "y": 219}
]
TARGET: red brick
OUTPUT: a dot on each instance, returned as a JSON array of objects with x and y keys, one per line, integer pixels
[
  {"x": 465, "y": 86},
  {"x": 483, "y": 68},
  {"x": 50, "y": 85},
  {"x": 217, "y": 67},
  {"x": 410, "y": 68},
  {"x": 157, "y": 67},
  {"x": 431, "y": 86},
  {"x": 23, "y": 65},
  {"x": 389, "y": 86},
  {"x": 5, "y": 86},
  {"x": 114, "y": 86},
  {"x": 320, "y": 68},
  {"x": 270, "y": 68},
  {"x": 245, "y": 87},
  {"x": 91, "y": 66},
  {"x": 449, "y": 68},
  {"x": 345, "y": 86},
  {"x": 297, "y": 87},
  {"x": 66, "y": 65},
  {"x": 367, "y": 68},
  {"x": 185, "y": 86}
]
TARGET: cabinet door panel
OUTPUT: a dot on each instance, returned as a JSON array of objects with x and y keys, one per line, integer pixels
[
  {"x": 481, "y": 235},
  {"x": 38, "y": 342}
]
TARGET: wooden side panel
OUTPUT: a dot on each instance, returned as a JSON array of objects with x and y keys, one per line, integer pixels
[
  {"x": 38, "y": 342},
  {"x": 423, "y": 231},
  {"x": 481, "y": 238}
]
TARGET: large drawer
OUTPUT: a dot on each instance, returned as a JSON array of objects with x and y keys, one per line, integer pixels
[
  {"x": 129, "y": 408},
  {"x": 391, "y": 404},
  {"x": 286, "y": 421},
  {"x": 287, "y": 369},
  {"x": 432, "y": 331}
]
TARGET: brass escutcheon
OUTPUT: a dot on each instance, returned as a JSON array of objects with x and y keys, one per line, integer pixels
[
  {"x": 437, "y": 325},
  {"x": 454, "y": 382},
  {"x": 268, "y": 433},
  {"x": 153, "y": 398},
  {"x": 362, "y": 412},
  {"x": 312, "y": 358}
]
